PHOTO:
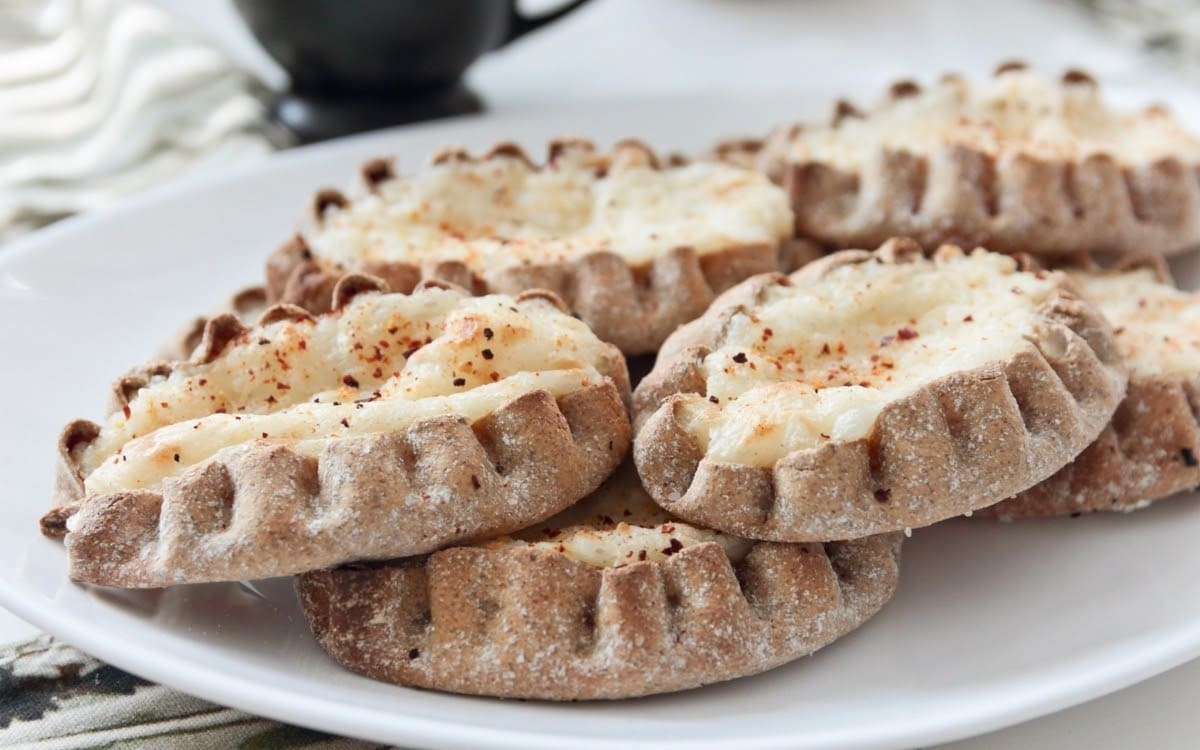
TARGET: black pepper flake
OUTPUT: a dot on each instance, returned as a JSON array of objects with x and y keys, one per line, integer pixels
[
  {"x": 345, "y": 423},
  {"x": 265, "y": 435},
  {"x": 487, "y": 354},
  {"x": 488, "y": 333},
  {"x": 676, "y": 545},
  {"x": 350, "y": 380},
  {"x": 1189, "y": 458},
  {"x": 176, "y": 458},
  {"x": 642, "y": 554},
  {"x": 883, "y": 496},
  {"x": 263, "y": 342},
  {"x": 714, "y": 399},
  {"x": 413, "y": 653},
  {"x": 740, "y": 358},
  {"x": 460, "y": 382}
]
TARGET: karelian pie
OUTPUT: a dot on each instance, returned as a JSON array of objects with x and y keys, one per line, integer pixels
[
  {"x": 391, "y": 426},
  {"x": 1151, "y": 449},
  {"x": 634, "y": 246},
  {"x": 873, "y": 391},
  {"x": 611, "y": 599},
  {"x": 1017, "y": 163}
]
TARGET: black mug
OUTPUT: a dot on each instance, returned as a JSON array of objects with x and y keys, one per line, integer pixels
[{"x": 363, "y": 64}]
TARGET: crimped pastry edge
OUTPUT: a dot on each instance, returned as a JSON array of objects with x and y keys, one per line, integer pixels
[
  {"x": 565, "y": 448},
  {"x": 534, "y": 623},
  {"x": 1148, "y": 451},
  {"x": 247, "y": 304},
  {"x": 634, "y": 306},
  {"x": 218, "y": 332},
  {"x": 268, "y": 511},
  {"x": 964, "y": 196},
  {"x": 922, "y": 461}
]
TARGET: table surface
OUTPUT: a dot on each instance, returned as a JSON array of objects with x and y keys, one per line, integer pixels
[{"x": 635, "y": 49}]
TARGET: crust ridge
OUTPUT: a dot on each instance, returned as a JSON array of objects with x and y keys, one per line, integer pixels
[
  {"x": 264, "y": 510},
  {"x": 1147, "y": 452},
  {"x": 962, "y": 194},
  {"x": 632, "y": 305},
  {"x": 532, "y": 623},
  {"x": 949, "y": 448}
]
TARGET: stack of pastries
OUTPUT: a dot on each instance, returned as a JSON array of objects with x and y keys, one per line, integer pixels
[{"x": 952, "y": 303}]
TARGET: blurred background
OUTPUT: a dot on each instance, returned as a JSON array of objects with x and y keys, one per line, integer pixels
[{"x": 104, "y": 98}]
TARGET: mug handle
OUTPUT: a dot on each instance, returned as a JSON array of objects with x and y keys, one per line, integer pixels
[{"x": 519, "y": 25}]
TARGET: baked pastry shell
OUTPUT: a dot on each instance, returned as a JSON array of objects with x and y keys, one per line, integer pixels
[
  {"x": 524, "y": 622},
  {"x": 959, "y": 443},
  {"x": 632, "y": 305},
  {"x": 963, "y": 195},
  {"x": 1149, "y": 451},
  {"x": 266, "y": 510}
]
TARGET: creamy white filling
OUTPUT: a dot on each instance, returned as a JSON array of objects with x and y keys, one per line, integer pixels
[
  {"x": 145, "y": 461},
  {"x": 1015, "y": 112},
  {"x": 501, "y": 211},
  {"x": 380, "y": 363},
  {"x": 1157, "y": 325},
  {"x": 817, "y": 362},
  {"x": 617, "y": 525}
]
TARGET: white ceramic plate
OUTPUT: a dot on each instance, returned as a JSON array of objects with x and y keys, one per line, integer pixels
[{"x": 992, "y": 624}]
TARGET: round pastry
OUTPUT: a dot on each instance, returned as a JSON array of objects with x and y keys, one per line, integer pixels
[
  {"x": 634, "y": 246},
  {"x": 391, "y": 426},
  {"x": 872, "y": 392},
  {"x": 1018, "y": 163},
  {"x": 1150, "y": 449},
  {"x": 612, "y": 599}
]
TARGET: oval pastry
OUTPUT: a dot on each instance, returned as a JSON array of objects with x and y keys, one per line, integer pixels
[
  {"x": 634, "y": 246},
  {"x": 871, "y": 392},
  {"x": 389, "y": 427},
  {"x": 612, "y": 599},
  {"x": 1019, "y": 163},
  {"x": 1151, "y": 448}
]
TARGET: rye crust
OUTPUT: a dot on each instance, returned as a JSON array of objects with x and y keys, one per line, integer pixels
[
  {"x": 962, "y": 195},
  {"x": 1149, "y": 451},
  {"x": 634, "y": 306},
  {"x": 534, "y": 623},
  {"x": 958, "y": 444}
]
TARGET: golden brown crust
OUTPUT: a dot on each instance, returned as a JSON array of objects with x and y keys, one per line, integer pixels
[
  {"x": 266, "y": 510},
  {"x": 532, "y": 623},
  {"x": 1149, "y": 451},
  {"x": 634, "y": 306},
  {"x": 951, "y": 447},
  {"x": 963, "y": 195}
]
